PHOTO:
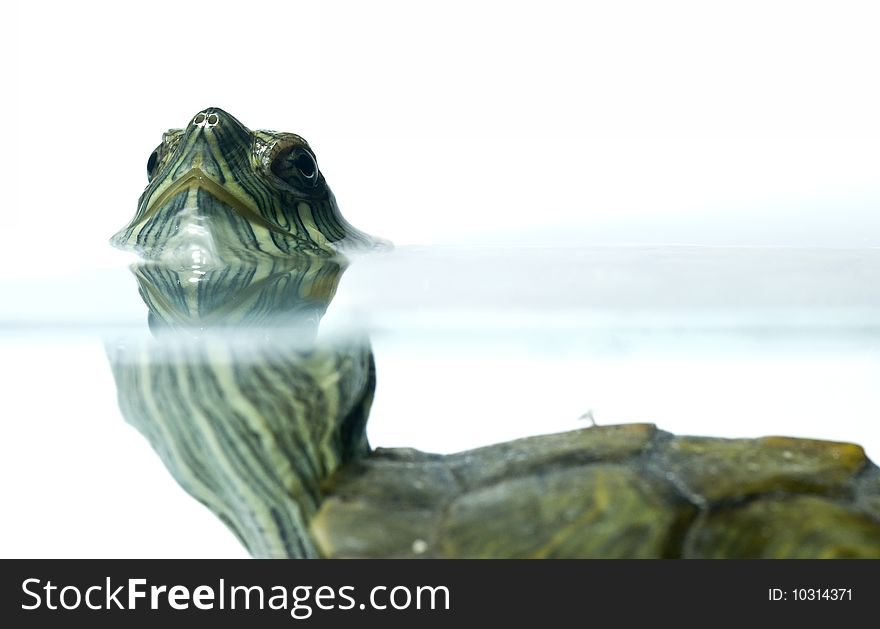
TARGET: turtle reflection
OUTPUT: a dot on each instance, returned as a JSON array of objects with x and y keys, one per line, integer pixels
[{"x": 248, "y": 411}]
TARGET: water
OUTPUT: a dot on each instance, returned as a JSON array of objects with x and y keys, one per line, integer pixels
[{"x": 472, "y": 346}]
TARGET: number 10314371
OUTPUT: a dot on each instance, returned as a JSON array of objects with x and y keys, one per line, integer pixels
[{"x": 810, "y": 594}]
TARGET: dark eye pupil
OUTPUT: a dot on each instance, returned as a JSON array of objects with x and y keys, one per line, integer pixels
[
  {"x": 297, "y": 167},
  {"x": 151, "y": 164},
  {"x": 305, "y": 164}
]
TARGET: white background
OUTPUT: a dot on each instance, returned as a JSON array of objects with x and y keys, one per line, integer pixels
[
  {"x": 726, "y": 123},
  {"x": 744, "y": 123}
]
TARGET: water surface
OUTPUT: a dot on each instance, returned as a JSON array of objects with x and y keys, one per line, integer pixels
[{"x": 472, "y": 346}]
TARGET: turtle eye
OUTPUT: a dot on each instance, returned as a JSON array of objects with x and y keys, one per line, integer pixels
[
  {"x": 297, "y": 167},
  {"x": 151, "y": 165}
]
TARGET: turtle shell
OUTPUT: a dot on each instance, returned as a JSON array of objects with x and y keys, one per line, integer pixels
[{"x": 627, "y": 491}]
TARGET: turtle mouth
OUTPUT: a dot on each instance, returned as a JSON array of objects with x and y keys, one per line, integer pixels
[{"x": 195, "y": 180}]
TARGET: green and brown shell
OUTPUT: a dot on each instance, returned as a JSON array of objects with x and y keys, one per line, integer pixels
[{"x": 627, "y": 491}]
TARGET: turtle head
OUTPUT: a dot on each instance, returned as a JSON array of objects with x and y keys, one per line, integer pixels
[{"x": 219, "y": 191}]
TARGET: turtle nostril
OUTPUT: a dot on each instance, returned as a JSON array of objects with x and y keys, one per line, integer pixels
[
  {"x": 213, "y": 119},
  {"x": 199, "y": 119}
]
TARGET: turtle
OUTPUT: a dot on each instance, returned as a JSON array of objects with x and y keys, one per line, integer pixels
[{"x": 264, "y": 421}]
